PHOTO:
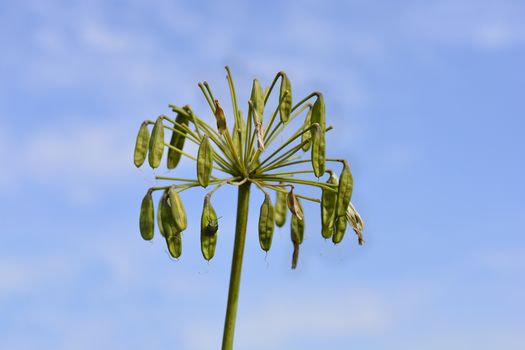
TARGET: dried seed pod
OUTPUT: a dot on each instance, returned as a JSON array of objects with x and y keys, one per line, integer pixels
[
  {"x": 220, "y": 117},
  {"x": 209, "y": 227},
  {"x": 146, "y": 220},
  {"x": 177, "y": 209},
  {"x": 328, "y": 201},
  {"x": 156, "y": 144},
  {"x": 340, "y": 229},
  {"x": 344, "y": 193},
  {"x": 356, "y": 222},
  {"x": 174, "y": 243},
  {"x": 141, "y": 145},
  {"x": 280, "y": 208},
  {"x": 204, "y": 161},
  {"x": 293, "y": 205},
  {"x": 307, "y": 135},
  {"x": 266, "y": 223},
  {"x": 318, "y": 150},
  {"x": 297, "y": 236},
  {"x": 285, "y": 107},
  {"x": 260, "y": 136},
  {"x": 177, "y": 140},
  {"x": 257, "y": 98}
]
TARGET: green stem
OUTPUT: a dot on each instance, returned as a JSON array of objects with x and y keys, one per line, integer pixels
[{"x": 235, "y": 276}]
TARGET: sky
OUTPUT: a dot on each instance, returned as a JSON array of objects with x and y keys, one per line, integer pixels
[{"x": 426, "y": 100}]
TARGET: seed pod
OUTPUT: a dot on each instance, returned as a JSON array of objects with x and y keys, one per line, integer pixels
[
  {"x": 257, "y": 99},
  {"x": 204, "y": 161},
  {"x": 147, "y": 215},
  {"x": 318, "y": 150},
  {"x": 328, "y": 201},
  {"x": 239, "y": 132},
  {"x": 285, "y": 107},
  {"x": 307, "y": 135},
  {"x": 156, "y": 144},
  {"x": 318, "y": 111},
  {"x": 167, "y": 222},
  {"x": 297, "y": 226},
  {"x": 266, "y": 223},
  {"x": 344, "y": 193},
  {"x": 159, "y": 216},
  {"x": 209, "y": 227},
  {"x": 260, "y": 136},
  {"x": 280, "y": 208},
  {"x": 356, "y": 222},
  {"x": 141, "y": 145},
  {"x": 174, "y": 243},
  {"x": 340, "y": 229},
  {"x": 293, "y": 205},
  {"x": 297, "y": 236},
  {"x": 220, "y": 117},
  {"x": 177, "y": 209},
  {"x": 177, "y": 140},
  {"x": 319, "y": 117}
]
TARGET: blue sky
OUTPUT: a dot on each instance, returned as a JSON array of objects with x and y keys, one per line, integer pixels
[{"x": 427, "y": 100}]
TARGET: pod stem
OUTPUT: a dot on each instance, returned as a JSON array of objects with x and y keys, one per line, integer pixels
[{"x": 243, "y": 199}]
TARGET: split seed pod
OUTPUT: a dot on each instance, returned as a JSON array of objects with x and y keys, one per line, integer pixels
[
  {"x": 204, "y": 161},
  {"x": 319, "y": 117},
  {"x": 293, "y": 205},
  {"x": 147, "y": 215},
  {"x": 177, "y": 209},
  {"x": 141, "y": 145},
  {"x": 280, "y": 208},
  {"x": 297, "y": 235},
  {"x": 209, "y": 227},
  {"x": 257, "y": 98},
  {"x": 307, "y": 135},
  {"x": 156, "y": 144},
  {"x": 266, "y": 223},
  {"x": 177, "y": 140},
  {"x": 220, "y": 117},
  {"x": 285, "y": 107},
  {"x": 356, "y": 222},
  {"x": 328, "y": 201},
  {"x": 318, "y": 150}
]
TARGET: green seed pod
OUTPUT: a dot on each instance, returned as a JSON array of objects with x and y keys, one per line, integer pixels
[
  {"x": 356, "y": 222},
  {"x": 204, "y": 161},
  {"x": 344, "y": 193},
  {"x": 297, "y": 226},
  {"x": 167, "y": 222},
  {"x": 141, "y": 145},
  {"x": 340, "y": 229},
  {"x": 307, "y": 135},
  {"x": 280, "y": 208},
  {"x": 177, "y": 140},
  {"x": 174, "y": 243},
  {"x": 209, "y": 227},
  {"x": 147, "y": 215},
  {"x": 319, "y": 117},
  {"x": 257, "y": 98},
  {"x": 220, "y": 117},
  {"x": 318, "y": 150},
  {"x": 156, "y": 144},
  {"x": 297, "y": 236},
  {"x": 318, "y": 111},
  {"x": 159, "y": 216},
  {"x": 177, "y": 209},
  {"x": 266, "y": 223},
  {"x": 239, "y": 133},
  {"x": 328, "y": 201},
  {"x": 293, "y": 205},
  {"x": 285, "y": 107}
]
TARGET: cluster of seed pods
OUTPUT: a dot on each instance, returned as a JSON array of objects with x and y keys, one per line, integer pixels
[{"x": 240, "y": 157}]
